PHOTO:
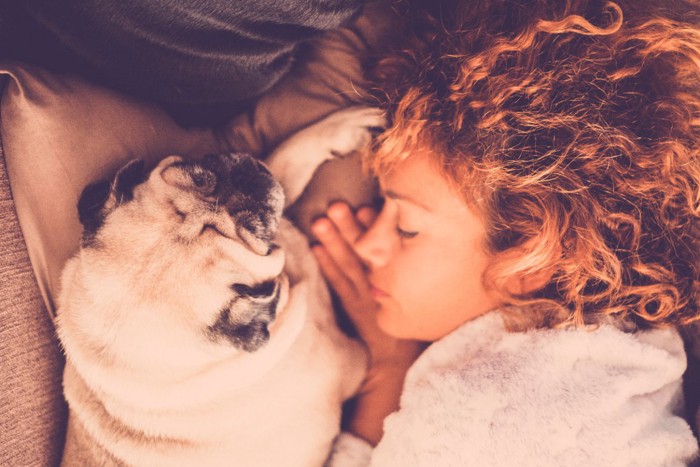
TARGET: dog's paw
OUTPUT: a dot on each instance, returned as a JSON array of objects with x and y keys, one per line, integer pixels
[
  {"x": 294, "y": 162},
  {"x": 348, "y": 130}
]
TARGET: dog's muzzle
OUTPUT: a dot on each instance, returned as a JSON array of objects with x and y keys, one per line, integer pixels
[
  {"x": 254, "y": 200},
  {"x": 242, "y": 186}
]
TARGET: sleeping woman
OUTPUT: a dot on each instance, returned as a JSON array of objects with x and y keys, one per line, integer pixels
[{"x": 539, "y": 232}]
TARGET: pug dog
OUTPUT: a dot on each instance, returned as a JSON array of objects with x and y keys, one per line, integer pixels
[{"x": 197, "y": 327}]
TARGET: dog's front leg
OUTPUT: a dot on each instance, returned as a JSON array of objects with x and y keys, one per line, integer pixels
[{"x": 295, "y": 161}]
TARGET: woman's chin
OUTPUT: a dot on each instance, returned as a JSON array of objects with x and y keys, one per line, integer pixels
[{"x": 393, "y": 324}]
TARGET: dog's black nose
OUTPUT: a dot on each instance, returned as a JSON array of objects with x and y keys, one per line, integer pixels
[{"x": 251, "y": 179}]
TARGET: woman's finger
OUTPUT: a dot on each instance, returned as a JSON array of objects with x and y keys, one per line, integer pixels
[
  {"x": 366, "y": 216},
  {"x": 358, "y": 306},
  {"x": 344, "y": 219},
  {"x": 333, "y": 274},
  {"x": 341, "y": 252}
]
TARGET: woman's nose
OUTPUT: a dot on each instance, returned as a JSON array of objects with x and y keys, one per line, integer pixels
[{"x": 376, "y": 245}]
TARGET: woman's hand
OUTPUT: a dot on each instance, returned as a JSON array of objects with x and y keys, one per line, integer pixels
[
  {"x": 390, "y": 357},
  {"x": 347, "y": 275},
  {"x": 343, "y": 268}
]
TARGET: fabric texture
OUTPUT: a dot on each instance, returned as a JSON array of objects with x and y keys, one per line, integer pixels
[
  {"x": 483, "y": 396},
  {"x": 350, "y": 451},
  {"x": 202, "y": 60},
  {"x": 32, "y": 409}
]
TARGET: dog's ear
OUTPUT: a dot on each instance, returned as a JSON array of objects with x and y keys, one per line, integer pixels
[
  {"x": 91, "y": 207},
  {"x": 94, "y": 203},
  {"x": 128, "y": 177}
]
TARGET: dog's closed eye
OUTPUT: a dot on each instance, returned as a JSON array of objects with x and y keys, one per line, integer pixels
[{"x": 212, "y": 228}]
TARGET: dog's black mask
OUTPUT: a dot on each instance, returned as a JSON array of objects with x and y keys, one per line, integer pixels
[{"x": 260, "y": 302}]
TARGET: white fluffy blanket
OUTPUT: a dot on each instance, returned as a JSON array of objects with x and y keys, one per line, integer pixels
[{"x": 482, "y": 396}]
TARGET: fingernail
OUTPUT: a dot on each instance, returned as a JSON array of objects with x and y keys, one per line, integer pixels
[
  {"x": 338, "y": 210},
  {"x": 321, "y": 226}
]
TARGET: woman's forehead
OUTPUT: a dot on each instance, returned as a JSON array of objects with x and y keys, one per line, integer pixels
[
  {"x": 418, "y": 181},
  {"x": 412, "y": 177}
]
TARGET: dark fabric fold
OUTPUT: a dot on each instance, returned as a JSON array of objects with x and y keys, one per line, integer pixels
[{"x": 203, "y": 60}]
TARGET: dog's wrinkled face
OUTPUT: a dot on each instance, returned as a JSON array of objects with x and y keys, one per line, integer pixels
[{"x": 195, "y": 238}]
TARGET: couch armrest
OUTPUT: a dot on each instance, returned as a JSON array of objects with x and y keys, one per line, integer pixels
[{"x": 32, "y": 409}]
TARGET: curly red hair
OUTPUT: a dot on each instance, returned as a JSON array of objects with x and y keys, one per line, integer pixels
[{"x": 574, "y": 128}]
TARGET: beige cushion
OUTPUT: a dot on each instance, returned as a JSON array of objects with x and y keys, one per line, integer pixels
[{"x": 32, "y": 410}]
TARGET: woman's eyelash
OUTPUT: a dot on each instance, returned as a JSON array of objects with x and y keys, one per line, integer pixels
[{"x": 405, "y": 234}]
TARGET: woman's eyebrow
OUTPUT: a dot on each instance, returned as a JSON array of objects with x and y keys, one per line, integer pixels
[{"x": 401, "y": 197}]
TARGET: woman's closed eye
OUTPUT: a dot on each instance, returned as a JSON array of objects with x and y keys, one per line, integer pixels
[{"x": 405, "y": 234}]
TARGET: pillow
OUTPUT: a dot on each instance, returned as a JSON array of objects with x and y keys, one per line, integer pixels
[{"x": 61, "y": 133}]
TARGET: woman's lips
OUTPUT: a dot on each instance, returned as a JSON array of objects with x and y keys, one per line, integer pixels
[{"x": 377, "y": 292}]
